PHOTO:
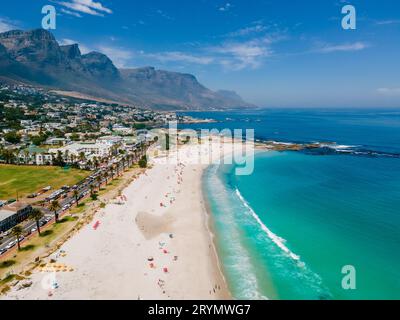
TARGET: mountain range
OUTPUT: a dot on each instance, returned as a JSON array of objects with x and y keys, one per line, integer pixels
[{"x": 35, "y": 57}]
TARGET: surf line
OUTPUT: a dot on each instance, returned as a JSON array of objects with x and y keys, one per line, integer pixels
[{"x": 276, "y": 239}]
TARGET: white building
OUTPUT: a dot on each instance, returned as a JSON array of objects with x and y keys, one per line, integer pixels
[{"x": 97, "y": 149}]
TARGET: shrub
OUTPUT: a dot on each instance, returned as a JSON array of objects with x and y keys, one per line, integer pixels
[
  {"x": 143, "y": 162},
  {"x": 94, "y": 196},
  {"x": 7, "y": 263}
]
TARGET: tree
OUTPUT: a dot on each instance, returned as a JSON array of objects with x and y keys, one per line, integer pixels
[
  {"x": 143, "y": 162},
  {"x": 55, "y": 206},
  {"x": 105, "y": 176},
  {"x": 75, "y": 193},
  {"x": 98, "y": 180},
  {"x": 12, "y": 137},
  {"x": 82, "y": 156},
  {"x": 8, "y": 155},
  {"x": 59, "y": 161},
  {"x": 38, "y": 140},
  {"x": 75, "y": 137},
  {"x": 96, "y": 162},
  {"x": 91, "y": 187},
  {"x": 26, "y": 156},
  {"x": 17, "y": 231},
  {"x": 36, "y": 215},
  {"x": 94, "y": 196},
  {"x": 89, "y": 164}
]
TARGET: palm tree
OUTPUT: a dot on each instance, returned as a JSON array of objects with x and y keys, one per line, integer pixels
[
  {"x": 54, "y": 206},
  {"x": 112, "y": 171},
  {"x": 117, "y": 168},
  {"x": 89, "y": 164},
  {"x": 17, "y": 231},
  {"x": 96, "y": 163},
  {"x": 105, "y": 176},
  {"x": 135, "y": 154},
  {"x": 91, "y": 188},
  {"x": 82, "y": 156},
  {"x": 36, "y": 215},
  {"x": 98, "y": 180},
  {"x": 8, "y": 155},
  {"x": 125, "y": 161},
  {"x": 75, "y": 193},
  {"x": 26, "y": 156}
]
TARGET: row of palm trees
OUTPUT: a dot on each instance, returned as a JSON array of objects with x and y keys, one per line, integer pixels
[{"x": 17, "y": 231}]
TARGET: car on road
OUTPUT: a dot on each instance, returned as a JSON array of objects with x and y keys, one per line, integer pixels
[
  {"x": 2, "y": 251},
  {"x": 11, "y": 244},
  {"x": 33, "y": 195}
]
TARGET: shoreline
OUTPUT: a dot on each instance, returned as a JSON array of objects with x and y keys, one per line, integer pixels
[
  {"x": 213, "y": 235},
  {"x": 111, "y": 261}
]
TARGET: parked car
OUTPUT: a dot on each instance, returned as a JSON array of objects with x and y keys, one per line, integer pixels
[{"x": 33, "y": 195}]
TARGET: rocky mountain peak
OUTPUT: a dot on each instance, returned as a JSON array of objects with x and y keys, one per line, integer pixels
[
  {"x": 71, "y": 51},
  {"x": 99, "y": 64}
]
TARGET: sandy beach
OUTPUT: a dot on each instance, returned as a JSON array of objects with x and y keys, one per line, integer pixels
[{"x": 152, "y": 243}]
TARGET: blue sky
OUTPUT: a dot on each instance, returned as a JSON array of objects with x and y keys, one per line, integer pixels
[{"x": 275, "y": 53}]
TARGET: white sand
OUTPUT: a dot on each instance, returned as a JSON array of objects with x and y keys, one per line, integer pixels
[{"x": 112, "y": 261}]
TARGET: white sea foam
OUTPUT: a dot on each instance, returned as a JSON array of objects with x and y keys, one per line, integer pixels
[
  {"x": 280, "y": 242},
  {"x": 338, "y": 147},
  {"x": 241, "y": 261}
]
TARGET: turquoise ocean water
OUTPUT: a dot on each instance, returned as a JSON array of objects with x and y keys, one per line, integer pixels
[{"x": 286, "y": 231}]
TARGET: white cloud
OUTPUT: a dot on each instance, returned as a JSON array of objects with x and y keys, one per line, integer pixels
[
  {"x": 258, "y": 28},
  {"x": 389, "y": 91},
  {"x": 328, "y": 48},
  {"x": 387, "y": 22},
  {"x": 86, "y": 6},
  {"x": 7, "y": 25},
  {"x": 84, "y": 49},
  {"x": 164, "y": 15},
  {"x": 121, "y": 57},
  {"x": 176, "y": 56},
  {"x": 246, "y": 54},
  {"x": 71, "y": 13},
  {"x": 225, "y": 7},
  {"x": 231, "y": 55},
  {"x": 238, "y": 56}
]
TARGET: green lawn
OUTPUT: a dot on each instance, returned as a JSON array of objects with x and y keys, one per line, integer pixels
[{"x": 30, "y": 179}]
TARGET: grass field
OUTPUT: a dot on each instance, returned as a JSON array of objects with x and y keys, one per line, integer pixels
[{"x": 30, "y": 179}]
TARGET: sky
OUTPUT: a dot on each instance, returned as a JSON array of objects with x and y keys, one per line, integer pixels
[{"x": 274, "y": 53}]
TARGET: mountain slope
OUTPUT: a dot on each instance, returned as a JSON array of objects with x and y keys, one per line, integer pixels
[{"x": 35, "y": 57}]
